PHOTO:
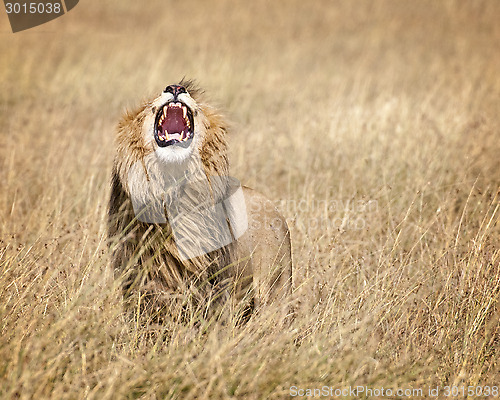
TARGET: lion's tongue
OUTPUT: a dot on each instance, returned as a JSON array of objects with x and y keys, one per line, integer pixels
[{"x": 174, "y": 122}]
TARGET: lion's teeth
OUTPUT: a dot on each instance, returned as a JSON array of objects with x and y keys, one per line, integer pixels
[
  {"x": 165, "y": 112},
  {"x": 184, "y": 112}
]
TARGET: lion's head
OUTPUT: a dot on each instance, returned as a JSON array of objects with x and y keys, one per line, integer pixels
[{"x": 177, "y": 131}]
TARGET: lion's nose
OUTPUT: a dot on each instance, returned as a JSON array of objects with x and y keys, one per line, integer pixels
[{"x": 176, "y": 90}]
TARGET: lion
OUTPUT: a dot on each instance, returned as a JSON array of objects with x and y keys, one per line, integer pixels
[{"x": 180, "y": 227}]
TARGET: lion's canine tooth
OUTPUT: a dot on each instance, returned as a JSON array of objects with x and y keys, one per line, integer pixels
[
  {"x": 184, "y": 112},
  {"x": 165, "y": 112}
]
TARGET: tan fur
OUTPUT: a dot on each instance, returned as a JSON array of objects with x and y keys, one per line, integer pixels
[{"x": 256, "y": 267}]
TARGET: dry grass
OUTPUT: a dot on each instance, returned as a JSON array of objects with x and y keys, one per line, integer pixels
[{"x": 375, "y": 124}]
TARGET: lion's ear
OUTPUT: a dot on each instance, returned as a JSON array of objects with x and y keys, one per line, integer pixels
[{"x": 130, "y": 118}]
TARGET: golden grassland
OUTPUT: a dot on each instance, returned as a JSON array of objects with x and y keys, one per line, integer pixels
[{"x": 373, "y": 125}]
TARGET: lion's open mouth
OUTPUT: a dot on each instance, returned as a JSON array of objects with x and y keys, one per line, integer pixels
[{"x": 174, "y": 125}]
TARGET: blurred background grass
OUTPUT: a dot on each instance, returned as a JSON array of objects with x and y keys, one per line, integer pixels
[{"x": 373, "y": 125}]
